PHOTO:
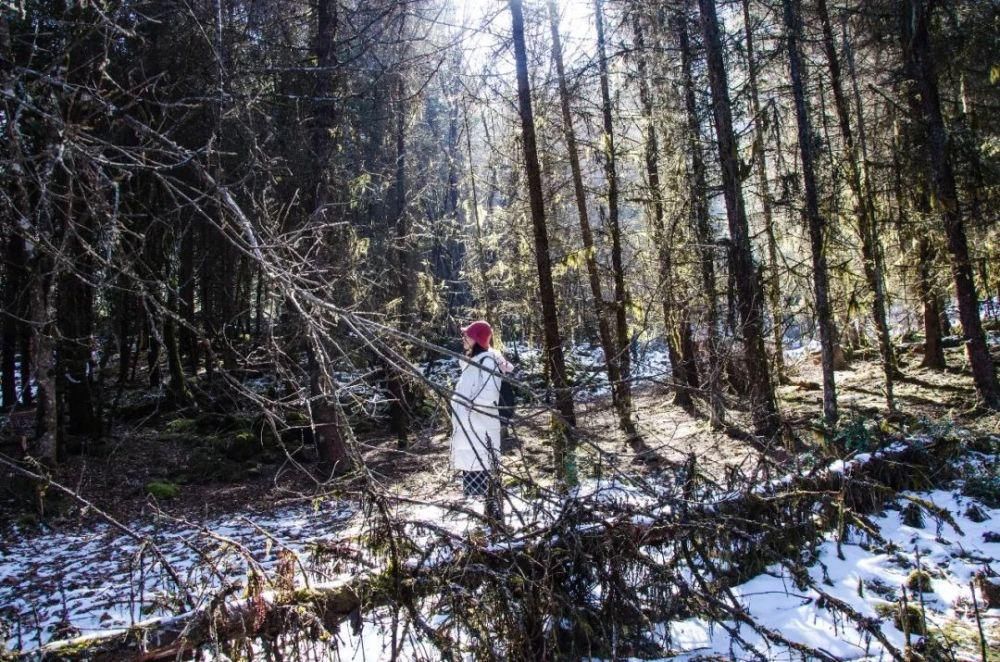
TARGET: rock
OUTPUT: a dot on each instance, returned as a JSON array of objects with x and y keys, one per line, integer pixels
[
  {"x": 989, "y": 587},
  {"x": 976, "y": 514}
]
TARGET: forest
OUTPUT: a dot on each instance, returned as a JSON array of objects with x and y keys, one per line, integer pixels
[{"x": 742, "y": 256}]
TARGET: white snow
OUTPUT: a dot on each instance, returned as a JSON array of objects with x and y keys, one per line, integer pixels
[{"x": 63, "y": 583}]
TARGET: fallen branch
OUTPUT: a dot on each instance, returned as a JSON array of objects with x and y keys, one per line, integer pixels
[{"x": 773, "y": 514}]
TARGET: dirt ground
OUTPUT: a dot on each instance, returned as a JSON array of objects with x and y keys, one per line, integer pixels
[{"x": 117, "y": 479}]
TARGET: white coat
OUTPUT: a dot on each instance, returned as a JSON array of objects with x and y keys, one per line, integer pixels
[{"x": 475, "y": 423}]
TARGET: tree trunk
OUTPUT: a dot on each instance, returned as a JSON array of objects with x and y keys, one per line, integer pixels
[
  {"x": 13, "y": 314},
  {"x": 817, "y": 223},
  {"x": 329, "y": 426},
  {"x": 760, "y": 164},
  {"x": 750, "y": 297},
  {"x": 614, "y": 229},
  {"x": 863, "y": 211},
  {"x": 155, "y": 377},
  {"x": 674, "y": 329},
  {"x": 564, "y": 453},
  {"x": 188, "y": 340},
  {"x": 43, "y": 367},
  {"x": 478, "y": 233},
  {"x": 611, "y": 352},
  {"x": 178, "y": 382},
  {"x": 124, "y": 312},
  {"x": 398, "y": 417},
  {"x": 701, "y": 225},
  {"x": 920, "y": 67}
]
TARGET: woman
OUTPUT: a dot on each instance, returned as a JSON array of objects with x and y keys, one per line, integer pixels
[{"x": 475, "y": 420}]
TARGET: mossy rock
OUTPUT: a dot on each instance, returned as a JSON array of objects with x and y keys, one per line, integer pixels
[
  {"x": 913, "y": 516},
  {"x": 296, "y": 419},
  {"x": 162, "y": 489},
  {"x": 919, "y": 581},
  {"x": 913, "y": 623}
]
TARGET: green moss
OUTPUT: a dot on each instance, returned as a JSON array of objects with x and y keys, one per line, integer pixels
[
  {"x": 296, "y": 419},
  {"x": 919, "y": 581},
  {"x": 956, "y": 639},
  {"x": 163, "y": 489},
  {"x": 241, "y": 446},
  {"x": 182, "y": 426},
  {"x": 914, "y": 622}
]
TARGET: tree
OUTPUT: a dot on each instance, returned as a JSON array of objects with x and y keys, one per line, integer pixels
[
  {"x": 612, "y": 353},
  {"x": 750, "y": 297},
  {"x": 817, "y": 223},
  {"x": 701, "y": 224},
  {"x": 614, "y": 227},
  {"x": 863, "y": 208},
  {"x": 915, "y": 34},
  {"x": 563, "y": 446},
  {"x": 760, "y": 166}
]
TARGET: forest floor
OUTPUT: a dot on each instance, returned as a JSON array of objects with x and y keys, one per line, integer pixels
[{"x": 76, "y": 573}]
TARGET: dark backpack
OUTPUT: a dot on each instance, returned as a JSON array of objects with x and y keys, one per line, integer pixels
[{"x": 507, "y": 402}]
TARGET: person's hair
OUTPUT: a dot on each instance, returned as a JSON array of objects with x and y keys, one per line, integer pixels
[{"x": 476, "y": 349}]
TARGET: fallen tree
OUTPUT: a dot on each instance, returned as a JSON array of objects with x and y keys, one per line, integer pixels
[{"x": 705, "y": 540}]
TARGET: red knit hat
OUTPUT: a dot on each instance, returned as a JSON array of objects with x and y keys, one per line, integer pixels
[{"x": 479, "y": 331}]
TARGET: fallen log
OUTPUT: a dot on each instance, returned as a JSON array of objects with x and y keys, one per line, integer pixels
[
  {"x": 771, "y": 518},
  {"x": 262, "y": 614}
]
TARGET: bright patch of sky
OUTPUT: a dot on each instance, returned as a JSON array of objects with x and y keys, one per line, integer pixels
[{"x": 487, "y": 28}]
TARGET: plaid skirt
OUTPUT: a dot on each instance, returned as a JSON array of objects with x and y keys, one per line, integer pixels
[{"x": 477, "y": 483}]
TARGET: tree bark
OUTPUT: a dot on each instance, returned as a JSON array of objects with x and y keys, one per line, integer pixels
[
  {"x": 614, "y": 227},
  {"x": 398, "y": 417},
  {"x": 178, "y": 381},
  {"x": 43, "y": 366},
  {"x": 674, "y": 328},
  {"x": 13, "y": 316},
  {"x": 750, "y": 297},
  {"x": 863, "y": 211},
  {"x": 611, "y": 353},
  {"x": 701, "y": 225},
  {"x": 920, "y": 67},
  {"x": 564, "y": 443},
  {"x": 760, "y": 165},
  {"x": 188, "y": 340},
  {"x": 328, "y": 424},
  {"x": 817, "y": 222}
]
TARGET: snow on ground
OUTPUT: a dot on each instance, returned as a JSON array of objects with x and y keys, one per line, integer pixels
[
  {"x": 64, "y": 583},
  {"x": 869, "y": 577}
]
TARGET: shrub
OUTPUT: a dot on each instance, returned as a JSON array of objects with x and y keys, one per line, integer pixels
[
  {"x": 986, "y": 488},
  {"x": 854, "y": 436},
  {"x": 163, "y": 489}
]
